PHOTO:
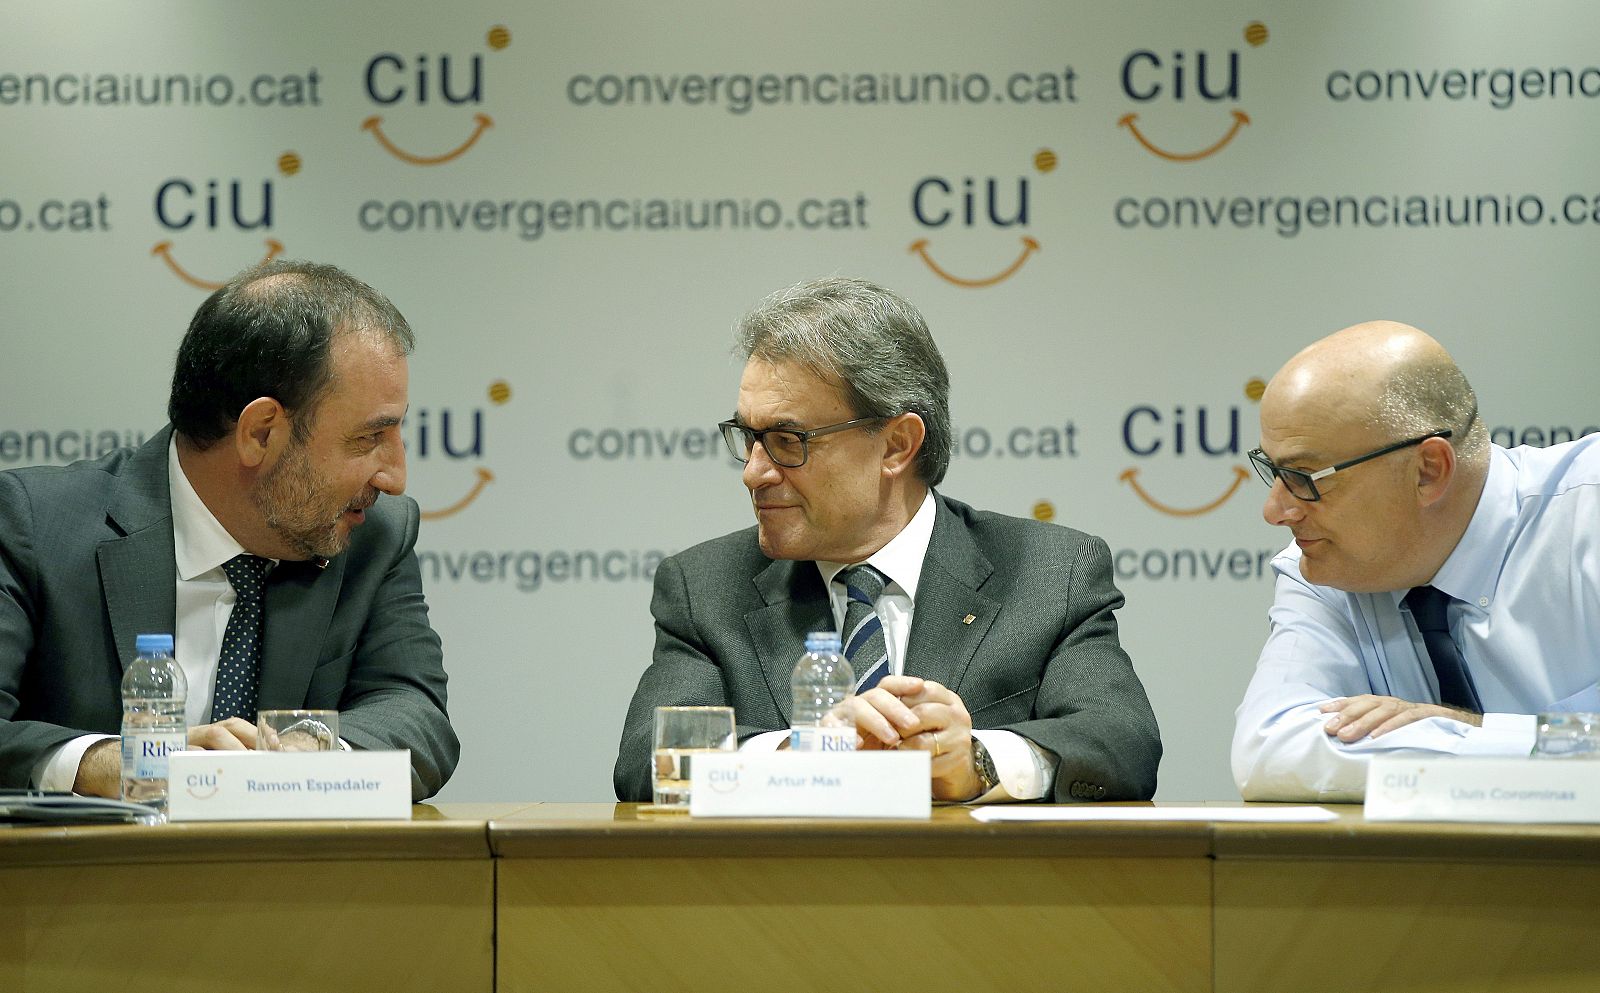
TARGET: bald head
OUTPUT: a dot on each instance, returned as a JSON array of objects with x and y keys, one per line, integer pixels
[
  {"x": 1378, "y": 381},
  {"x": 1361, "y": 413}
]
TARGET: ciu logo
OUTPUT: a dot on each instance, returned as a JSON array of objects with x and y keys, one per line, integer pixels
[
  {"x": 424, "y": 79},
  {"x": 1186, "y": 77},
  {"x": 1188, "y": 431},
  {"x": 203, "y": 785},
  {"x": 967, "y": 204},
  {"x": 209, "y": 204},
  {"x": 452, "y": 436}
]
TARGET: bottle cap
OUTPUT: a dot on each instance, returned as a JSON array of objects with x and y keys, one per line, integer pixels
[
  {"x": 149, "y": 644},
  {"x": 823, "y": 641}
]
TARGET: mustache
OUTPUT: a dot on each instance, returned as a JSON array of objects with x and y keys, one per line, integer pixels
[{"x": 364, "y": 501}]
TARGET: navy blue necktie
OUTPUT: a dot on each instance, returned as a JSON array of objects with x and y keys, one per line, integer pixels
[
  {"x": 863, "y": 632},
  {"x": 1430, "y": 611},
  {"x": 239, "y": 665}
]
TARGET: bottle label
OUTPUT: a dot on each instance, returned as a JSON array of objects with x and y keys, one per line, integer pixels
[
  {"x": 822, "y": 739},
  {"x": 144, "y": 755}
]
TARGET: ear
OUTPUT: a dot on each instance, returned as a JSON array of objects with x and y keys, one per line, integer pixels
[
  {"x": 1436, "y": 467},
  {"x": 902, "y": 437},
  {"x": 261, "y": 433}
]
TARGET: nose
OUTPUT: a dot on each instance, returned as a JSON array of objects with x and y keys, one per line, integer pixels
[
  {"x": 760, "y": 471},
  {"x": 1282, "y": 507},
  {"x": 390, "y": 476}
]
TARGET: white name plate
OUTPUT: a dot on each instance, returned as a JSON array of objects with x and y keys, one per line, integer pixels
[
  {"x": 811, "y": 784},
  {"x": 1497, "y": 790},
  {"x": 288, "y": 786}
]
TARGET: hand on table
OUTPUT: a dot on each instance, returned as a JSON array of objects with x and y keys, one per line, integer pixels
[
  {"x": 1357, "y": 717},
  {"x": 100, "y": 769},
  {"x": 910, "y": 712}
]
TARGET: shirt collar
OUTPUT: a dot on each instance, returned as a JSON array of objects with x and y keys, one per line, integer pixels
[
  {"x": 200, "y": 542},
  {"x": 901, "y": 559},
  {"x": 1472, "y": 572}
]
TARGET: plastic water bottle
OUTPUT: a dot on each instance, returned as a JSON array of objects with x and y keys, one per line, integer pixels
[
  {"x": 822, "y": 680},
  {"x": 154, "y": 692}
]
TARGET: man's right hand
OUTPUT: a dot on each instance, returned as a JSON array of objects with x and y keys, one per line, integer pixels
[
  {"x": 882, "y": 719},
  {"x": 100, "y": 770},
  {"x": 1357, "y": 717},
  {"x": 232, "y": 735}
]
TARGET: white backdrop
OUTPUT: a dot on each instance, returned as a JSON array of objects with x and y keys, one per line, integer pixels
[{"x": 573, "y": 206}]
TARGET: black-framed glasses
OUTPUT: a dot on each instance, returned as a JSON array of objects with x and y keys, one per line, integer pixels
[
  {"x": 784, "y": 446},
  {"x": 1303, "y": 485}
]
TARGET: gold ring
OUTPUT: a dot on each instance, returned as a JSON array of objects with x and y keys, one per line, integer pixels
[{"x": 935, "y": 735}]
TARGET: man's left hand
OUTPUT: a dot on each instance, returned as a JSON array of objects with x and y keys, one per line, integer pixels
[
  {"x": 944, "y": 729},
  {"x": 1357, "y": 717}
]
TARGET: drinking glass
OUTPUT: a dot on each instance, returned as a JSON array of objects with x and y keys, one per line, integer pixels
[
  {"x": 1568, "y": 736},
  {"x": 682, "y": 733},
  {"x": 297, "y": 730}
]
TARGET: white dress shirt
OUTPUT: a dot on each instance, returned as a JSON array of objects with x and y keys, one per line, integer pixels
[
  {"x": 1025, "y": 771},
  {"x": 1526, "y": 582},
  {"x": 204, "y": 600}
]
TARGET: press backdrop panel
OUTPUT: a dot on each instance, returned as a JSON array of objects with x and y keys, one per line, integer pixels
[{"x": 1118, "y": 219}]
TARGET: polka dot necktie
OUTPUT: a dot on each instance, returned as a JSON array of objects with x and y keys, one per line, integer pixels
[
  {"x": 239, "y": 666},
  {"x": 863, "y": 631}
]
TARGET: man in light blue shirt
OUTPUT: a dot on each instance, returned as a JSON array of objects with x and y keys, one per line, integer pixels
[{"x": 1403, "y": 511}]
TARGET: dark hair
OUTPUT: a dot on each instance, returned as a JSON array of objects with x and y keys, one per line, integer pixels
[
  {"x": 269, "y": 333},
  {"x": 870, "y": 341}
]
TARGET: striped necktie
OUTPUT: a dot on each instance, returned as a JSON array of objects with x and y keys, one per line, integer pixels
[
  {"x": 239, "y": 665},
  {"x": 863, "y": 632}
]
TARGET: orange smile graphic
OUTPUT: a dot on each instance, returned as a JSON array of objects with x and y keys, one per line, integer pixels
[
  {"x": 164, "y": 249},
  {"x": 1029, "y": 246},
  {"x": 485, "y": 477},
  {"x": 1240, "y": 119},
  {"x": 374, "y": 124},
  {"x": 1129, "y": 476}
]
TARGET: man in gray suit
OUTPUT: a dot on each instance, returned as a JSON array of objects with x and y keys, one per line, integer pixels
[
  {"x": 286, "y": 404},
  {"x": 998, "y": 651}
]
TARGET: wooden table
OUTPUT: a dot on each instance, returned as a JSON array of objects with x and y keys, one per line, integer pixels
[
  {"x": 314, "y": 906},
  {"x": 558, "y": 897},
  {"x": 1365, "y": 906},
  {"x": 602, "y": 897}
]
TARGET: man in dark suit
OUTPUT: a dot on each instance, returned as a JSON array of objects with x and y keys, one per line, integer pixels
[
  {"x": 977, "y": 620},
  {"x": 286, "y": 404}
]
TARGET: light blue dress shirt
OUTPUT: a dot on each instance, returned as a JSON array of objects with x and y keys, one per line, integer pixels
[{"x": 1526, "y": 580}]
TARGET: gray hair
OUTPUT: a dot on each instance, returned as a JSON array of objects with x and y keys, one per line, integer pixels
[
  {"x": 870, "y": 341},
  {"x": 1433, "y": 396}
]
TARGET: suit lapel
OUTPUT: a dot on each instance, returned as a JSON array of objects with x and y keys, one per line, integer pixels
[
  {"x": 295, "y": 617},
  {"x": 140, "y": 582},
  {"x": 138, "y": 572},
  {"x": 796, "y": 604},
  {"x": 943, "y": 640}
]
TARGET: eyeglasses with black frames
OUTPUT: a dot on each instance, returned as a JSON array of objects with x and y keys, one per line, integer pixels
[
  {"x": 784, "y": 446},
  {"x": 1302, "y": 485}
]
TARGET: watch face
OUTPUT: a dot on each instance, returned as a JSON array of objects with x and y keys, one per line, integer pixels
[{"x": 985, "y": 766}]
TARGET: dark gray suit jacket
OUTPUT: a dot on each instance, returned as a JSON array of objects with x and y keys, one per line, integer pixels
[
  {"x": 1040, "y": 658},
  {"x": 87, "y": 563}
]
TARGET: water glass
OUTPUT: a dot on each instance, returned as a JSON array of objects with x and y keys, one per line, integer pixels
[
  {"x": 297, "y": 730},
  {"x": 682, "y": 733},
  {"x": 1568, "y": 736}
]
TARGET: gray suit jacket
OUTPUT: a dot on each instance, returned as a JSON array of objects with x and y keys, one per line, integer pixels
[
  {"x": 87, "y": 563},
  {"x": 1040, "y": 658}
]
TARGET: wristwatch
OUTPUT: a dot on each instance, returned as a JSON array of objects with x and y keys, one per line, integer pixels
[{"x": 988, "y": 779}]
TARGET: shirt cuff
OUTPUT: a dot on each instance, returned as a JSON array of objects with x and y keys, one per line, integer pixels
[
  {"x": 1025, "y": 771},
  {"x": 1501, "y": 734},
  {"x": 58, "y": 769}
]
